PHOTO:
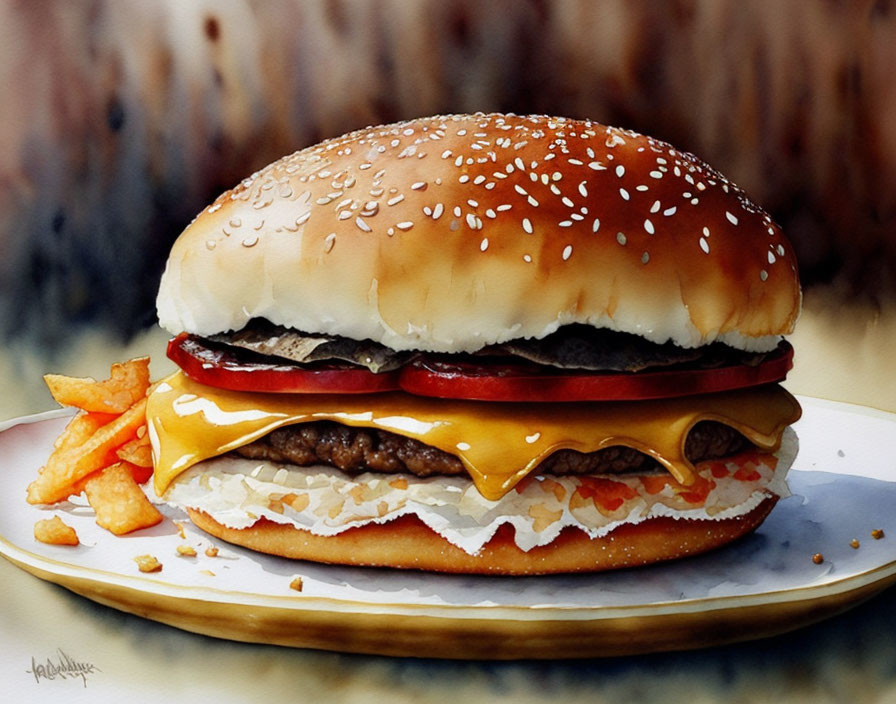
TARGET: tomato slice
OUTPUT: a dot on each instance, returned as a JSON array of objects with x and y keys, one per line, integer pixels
[
  {"x": 223, "y": 370},
  {"x": 486, "y": 381},
  {"x": 523, "y": 382}
]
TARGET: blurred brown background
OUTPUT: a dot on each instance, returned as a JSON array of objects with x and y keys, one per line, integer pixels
[{"x": 119, "y": 120}]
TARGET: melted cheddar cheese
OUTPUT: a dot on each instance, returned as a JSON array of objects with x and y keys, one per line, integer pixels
[{"x": 498, "y": 443}]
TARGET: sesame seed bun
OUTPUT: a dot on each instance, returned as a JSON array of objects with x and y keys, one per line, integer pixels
[{"x": 449, "y": 233}]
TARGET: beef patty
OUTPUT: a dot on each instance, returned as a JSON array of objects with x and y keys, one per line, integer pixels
[{"x": 356, "y": 450}]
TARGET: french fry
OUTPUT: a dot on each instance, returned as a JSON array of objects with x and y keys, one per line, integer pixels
[
  {"x": 119, "y": 503},
  {"x": 70, "y": 463},
  {"x": 137, "y": 451},
  {"x": 54, "y": 531},
  {"x": 127, "y": 383},
  {"x": 80, "y": 428}
]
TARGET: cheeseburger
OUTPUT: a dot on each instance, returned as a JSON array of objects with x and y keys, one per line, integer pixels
[{"x": 481, "y": 344}]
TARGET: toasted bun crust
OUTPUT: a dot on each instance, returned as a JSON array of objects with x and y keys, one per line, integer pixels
[
  {"x": 449, "y": 233},
  {"x": 407, "y": 543}
]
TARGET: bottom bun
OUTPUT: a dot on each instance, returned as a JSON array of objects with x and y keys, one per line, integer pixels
[{"x": 408, "y": 543}]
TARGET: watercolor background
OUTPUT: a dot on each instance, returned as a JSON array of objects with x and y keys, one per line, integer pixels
[{"x": 119, "y": 120}]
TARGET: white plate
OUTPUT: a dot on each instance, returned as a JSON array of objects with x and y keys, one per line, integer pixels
[{"x": 844, "y": 486}]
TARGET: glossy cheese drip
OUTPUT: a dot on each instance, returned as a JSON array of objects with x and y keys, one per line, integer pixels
[{"x": 498, "y": 443}]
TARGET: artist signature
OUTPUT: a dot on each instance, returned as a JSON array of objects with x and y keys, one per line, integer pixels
[{"x": 61, "y": 667}]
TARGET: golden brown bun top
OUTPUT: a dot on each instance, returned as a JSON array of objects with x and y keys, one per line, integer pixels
[{"x": 452, "y": 232}]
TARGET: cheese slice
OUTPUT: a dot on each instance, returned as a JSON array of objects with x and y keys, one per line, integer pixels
[{"x": 498, "y": 443}]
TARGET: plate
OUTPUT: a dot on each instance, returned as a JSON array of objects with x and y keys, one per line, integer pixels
[{"x": 762, "y": 585}]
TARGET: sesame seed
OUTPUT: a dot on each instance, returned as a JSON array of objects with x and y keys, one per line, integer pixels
[
  {"x": 656, "y": 174},
  {"x": 620, "y": 171},
  {"x": 362, "y": 225},
  {"x": 345, "y": 214},
  {"x": 527, "y": 225},
  {"x": 491, "y": 213},
  {"x": 463, "y": 178},
  {"x": 503, "y": 207},
  {"x": 576, "y": 162},
  {"x": 565, "y": 223},
  {"x": 534, "y": 177},
  {"x": 329, "y": 241},
  {"x": 437, "y": 211},
  {"x": 479, "y": 179},
  {"x": 763, "y": 275},
  {"x": 583, "y": 189},
  {"x": 655, "y": 208},
  {"x": 532, "y": 202},
  {"x": 527, "y": 258},
  {"x": 567, "y": 202},
  {"x": 404, "y": 225},
  {"x": 567, "y": 252},
  {"x": 303, "y": 218},
  {"x": 471, "y": 221},
  {"x": 780, "y": 250},
  {"x": 396, "y": 199},
  {"x": 446, "y": 153},
  {"x": 731, "y": 218},
  {"x": 519, "y": 189},
  {"x": 418, "y": 186},
  {"x": 771, "y": 258},
  {"x": 704, "y": 245},
  {"x": 621, "y": 238},
  {"x": 519, "y": 164},
  {"x": 649, "y": 227},
  {"x": 457, "y": 211},
  {"x": 624, "y": 194},
  {"x": 597, "y": 166},
  {"x": 645, "y": 257},
  {"x": 706, "y": 231},
  {"x": 595, "y": 225},
  {"x": 473, "y": 203},
  {"x": 250, "y": 241},
  {"x": 670, "y": 211},
  {"x": 483, "y": 245}
]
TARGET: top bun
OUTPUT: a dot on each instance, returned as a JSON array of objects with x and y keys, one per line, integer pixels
[{"x": 453, "y": 232}]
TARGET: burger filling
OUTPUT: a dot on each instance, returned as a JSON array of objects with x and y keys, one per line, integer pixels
[
  {"x": 573, "y": 346},
  {"x": 326, "y": 501},
  {"x": 358, "y": 449}
]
